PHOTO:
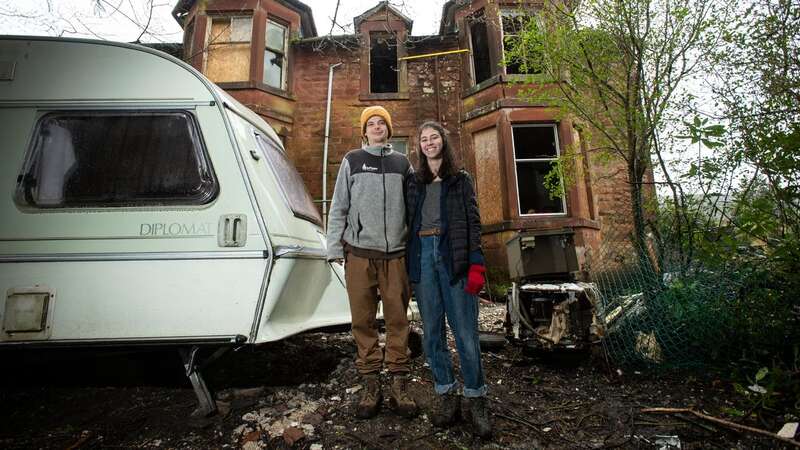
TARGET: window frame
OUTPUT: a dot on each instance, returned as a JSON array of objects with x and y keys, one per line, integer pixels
[
  {"x": 229, "y": 19},
  {"x": 514, "y": 12},
  {"x": 283, "y": 52},
  {"x": 375, "y": 36},
  {"x": 554, "y": 127},
  {"x": 478, "y": 16},
  {"x": 397, "y": 139},
  {"x": 211, "y": 44},
  {"x": 200, "y": 151}
]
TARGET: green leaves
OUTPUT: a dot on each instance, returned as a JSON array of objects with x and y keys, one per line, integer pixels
[
  {"x": 762, "y": 372},
  {"x": 711, "y": 136}
]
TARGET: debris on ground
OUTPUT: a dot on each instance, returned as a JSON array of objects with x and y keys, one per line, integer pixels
[{"x": 297, "y": 393}]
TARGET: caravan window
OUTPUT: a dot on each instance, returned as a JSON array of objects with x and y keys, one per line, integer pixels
[
  {"x": 116, "y": 159},
  {"x": 289, "y": 180}
]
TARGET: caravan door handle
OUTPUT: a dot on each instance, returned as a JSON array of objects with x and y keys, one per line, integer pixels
[
  {"x": 255, "y": 154},
  {"x": 232, "y": 230}
]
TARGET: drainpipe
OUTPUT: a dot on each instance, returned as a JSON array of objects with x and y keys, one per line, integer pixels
[{"x": 325, "y": 148}]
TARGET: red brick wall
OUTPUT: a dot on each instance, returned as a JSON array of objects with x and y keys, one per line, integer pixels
[{"x": 306, "y": 141}]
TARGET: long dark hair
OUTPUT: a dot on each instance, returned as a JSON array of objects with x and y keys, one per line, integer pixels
[{"x": 448, "y": 167}]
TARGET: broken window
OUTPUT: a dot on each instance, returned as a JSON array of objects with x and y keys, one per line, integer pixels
[
  {"x": 229, "y": 49},
  {"x": 275, "y": 61},
  {"x": 116, "y": 159},
  {"x": 535, "y": 154},
  {"x": 527, "y": 61},
  {"x": 383, "y": 71},
  {"x": 479, "y": 42}
]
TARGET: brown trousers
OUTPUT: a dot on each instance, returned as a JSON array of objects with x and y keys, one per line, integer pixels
[{"x": 364, "y": 277}]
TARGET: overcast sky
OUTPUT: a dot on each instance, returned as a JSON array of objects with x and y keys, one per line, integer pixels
[{"x": 122, "y": 20}]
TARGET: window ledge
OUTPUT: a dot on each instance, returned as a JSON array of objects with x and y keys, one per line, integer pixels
[
  {"x": 540, "y": 223},
  {"x": 235, "y": 85},
  {"x": 384, "y": 96},
  {"x": 514, "y": 78},
  {"x": 489, "y": 82},
  {"x": 527, "y": 78}
]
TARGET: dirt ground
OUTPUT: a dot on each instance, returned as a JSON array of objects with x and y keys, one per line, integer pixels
[{"x": 297, "y": 393}]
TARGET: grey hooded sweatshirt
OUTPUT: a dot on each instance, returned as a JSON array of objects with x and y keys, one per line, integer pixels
[{"x": 368, "y": 207}]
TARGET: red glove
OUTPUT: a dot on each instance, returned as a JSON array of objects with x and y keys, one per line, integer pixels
[{"x": 475, "y": 279}]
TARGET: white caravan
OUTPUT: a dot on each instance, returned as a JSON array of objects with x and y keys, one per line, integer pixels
[{"x": 141, "y": 204}]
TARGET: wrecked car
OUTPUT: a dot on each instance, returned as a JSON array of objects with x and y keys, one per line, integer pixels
[{"x": 550, "y": 305}]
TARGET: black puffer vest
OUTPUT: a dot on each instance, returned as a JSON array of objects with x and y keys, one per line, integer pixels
[{"x": 460, "y": 245}]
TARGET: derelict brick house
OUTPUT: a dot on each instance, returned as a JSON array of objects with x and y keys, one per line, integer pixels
[{"x": 267, "y": 54}]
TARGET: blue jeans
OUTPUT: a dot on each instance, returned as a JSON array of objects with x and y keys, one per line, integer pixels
[{"x": 436, "y": 299}]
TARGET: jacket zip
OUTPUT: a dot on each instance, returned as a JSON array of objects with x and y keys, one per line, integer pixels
[{"x": 383, "y": 178}]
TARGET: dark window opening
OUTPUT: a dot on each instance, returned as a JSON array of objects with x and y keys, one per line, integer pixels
[
  {"x": 528, "y": 59},
  {"x": 116, "y": 159},
  {"x": 535, "y": 155},
  {"x": 383, "y": 71},
  {"x": 479, "y": 39}
]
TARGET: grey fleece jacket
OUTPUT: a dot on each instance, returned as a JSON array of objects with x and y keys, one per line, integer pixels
[{"x": 368, "y": 207}]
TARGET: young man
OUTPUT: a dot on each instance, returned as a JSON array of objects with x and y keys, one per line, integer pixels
[{"x": 367, "y": 229}]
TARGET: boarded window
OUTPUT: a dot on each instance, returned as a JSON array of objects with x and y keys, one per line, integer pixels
[
  {"x": 535, "y": 153},
  {"x": 291, "y": 184},
  {"x": 229, "y": 49},
  {"x": 479, "y": 40},
  {"x": 275, "y": 61},
  {"x": 528, "y": 60},
  {"x": 383, "y": 71},
  {"x": 114, "y": 159}
]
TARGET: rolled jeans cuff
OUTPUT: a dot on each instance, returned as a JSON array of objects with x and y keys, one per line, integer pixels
[
  {"x": 472, "y": 393},
  {"x": 442, "y": 389}
]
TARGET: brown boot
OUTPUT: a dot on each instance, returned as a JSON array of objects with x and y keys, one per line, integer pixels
[
  {"x": 399, "y": 400},
  {"x": 371, "y": 397},
  {"x": 447, "y": 409},
  {"x": 479, "y": 412}
]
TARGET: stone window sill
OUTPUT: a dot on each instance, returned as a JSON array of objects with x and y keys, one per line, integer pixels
[
  {"x": 384, "y": 96},
  {"x": 234, "y": 85}
]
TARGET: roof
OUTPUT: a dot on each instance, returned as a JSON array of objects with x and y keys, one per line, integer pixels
[
  {"x": 111, "y": 72},
  {"x": 384, "y": 4},
  {"x": 182, "y": 7},
  {"x": 332, "y": 38}
]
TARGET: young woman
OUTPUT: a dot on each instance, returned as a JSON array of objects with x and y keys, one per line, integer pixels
[{"x": 445, "y": 266}]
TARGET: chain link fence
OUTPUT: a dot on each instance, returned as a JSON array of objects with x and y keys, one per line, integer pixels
[{"x": 659, "y": 314}]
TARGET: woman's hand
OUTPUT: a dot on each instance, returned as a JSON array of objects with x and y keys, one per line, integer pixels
[{"x": 475, "y": 279}]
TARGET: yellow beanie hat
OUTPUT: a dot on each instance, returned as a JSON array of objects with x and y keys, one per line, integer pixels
[{"x": 375, "y": 111}]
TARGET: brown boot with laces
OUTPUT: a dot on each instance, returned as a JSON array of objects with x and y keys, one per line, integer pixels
[
  {"x": 371, "y": 397},
  {"x": 399, "y": 400}
]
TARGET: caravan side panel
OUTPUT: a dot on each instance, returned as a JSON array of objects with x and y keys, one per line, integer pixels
[{"x": 113, "y": 271}]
